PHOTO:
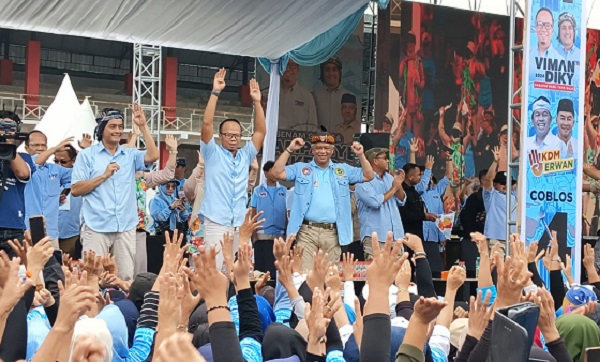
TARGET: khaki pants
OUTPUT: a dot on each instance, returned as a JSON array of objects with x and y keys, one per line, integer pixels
[
  {"x": 141, "y": 257},
  {"x": 121, "y": 245},
  {"x": 213, "y": 234},
  {"x": 368, "y": 247},
  {"x": 502, "y": 246},
  {"x": 68, "y": 245},
  {"x": 314, "y": 239}
]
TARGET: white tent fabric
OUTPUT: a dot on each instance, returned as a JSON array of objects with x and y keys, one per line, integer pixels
[
  {"x": 65, "y": 117},
  {"x": 502, "y": 7},
  {"x": 256, "y": 28}
]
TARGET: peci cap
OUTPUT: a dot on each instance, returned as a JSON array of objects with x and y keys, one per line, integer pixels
[
  {"x": 180, "y": 162},
  {"x": 565, "y": 105},
  {"x": 348, "y": 98},
  {"x": 501, "y": 179}
]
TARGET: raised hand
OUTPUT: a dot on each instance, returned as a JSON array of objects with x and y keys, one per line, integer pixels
[
  {"x": 402, "y": 279},
  {"x": 92, "y": 263},
  {"x": 85, "y": 142},
  {"x": 171, "y": 142},
  {"x": 479, "y": 314},
  {"x": 429, "y": 161},
  {"x": 296, "y": 144},
  {"x": 316, "y": 276},
  {"x": 139, "y": 118},
  {"x": 296, "y": 259},
  {"x": 333, "y": 302},
  {"x": 512, "y": 278},
  {"x": 333, "y": 279},
  {"x": 210, "y": 282},
  {"x": 459, "y": 312},
  {"x": 496, "y": 153},
  {"x": 255, "y": 94},
  {"x": 456, "y": 278},
  {"x": 250, "y": 225},
  {"x": 482, "y": 243},
  {"x": 173, "y": 254},
  {"x": 75, "y": 301},
  {"x": 413, "y": 242},
  {"x": 348, "y": 266},
  {"x": 262, "y": 282},
  {"x": 427, "y": 309},
  {"x": 110, "y": 264},
  {"x": 177, "y": 347},
  {"x": 315, "y": 319},
  {"x": 386, "y": 263},
  {"x": 227, "y": 250},
  {"x": 219, "y": 80},
  {"x": 532, "y": 252},
  {"x": 87, "y": 348},
  {"x": 169, "y": 307},
  {"x": 414, "y": 145},
  {"x": 546, "y": 321},
  {"x": 567, "y": 268},
  {"x": 589, "y": 259},
  {"x": 14, "y": 288},
  {"x": 357, "y": 148},
  {"x": 189, "y": 301},
  {"x": 241, "y": 268}
]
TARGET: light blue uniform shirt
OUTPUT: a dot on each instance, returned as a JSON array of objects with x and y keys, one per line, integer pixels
[
  {"x": 376, "y": 215},
  {"x": 112, "y": 206},
  {"x": 341, "y": 177},
  {"x": 42, "y": 194},
  {"x": 320, "y": 208},
  {"x": 226, "y": 183},
  {"x": 434, "y": 204},
  {"x": 271, "y": 201},
  {"x": 495, "y": 214},
  {"x": 70, "y": 220}
]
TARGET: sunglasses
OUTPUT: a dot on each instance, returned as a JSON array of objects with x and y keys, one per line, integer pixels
[{"x": 63, "y": 162}]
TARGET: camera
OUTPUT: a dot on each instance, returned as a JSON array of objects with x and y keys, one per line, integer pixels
[{"x": 8, "y": 130}]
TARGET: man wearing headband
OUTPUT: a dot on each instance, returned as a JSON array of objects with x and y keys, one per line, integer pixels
[
  {"x": 566, "y": 37},
  {"x": 350, "y": 125},
  {"x": 105, "y": 174},
  {"x": 297, "y": 109},
  {"x": 541, "y": 118},
  {"x": 328, "y": 96},
  {"x": 14, "y": 175},
  {"x": 227, "y": 165},
  {"x": 320, "y": 215}
]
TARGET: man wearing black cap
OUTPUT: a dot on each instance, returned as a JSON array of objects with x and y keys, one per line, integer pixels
[
  {"x": 105, "y": 174},
  {"x": 494, "y": 199},
  {"x": 350, "y": 125},
  {"x": 565, "y": 120},
  {"x": 180, "y": 168},
  {"x": 328, "y": 97},
  {"x": 320, "y": 214}
]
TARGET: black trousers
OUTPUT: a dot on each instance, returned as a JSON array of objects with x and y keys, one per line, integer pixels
[
  {"x": 432, "y": 249},
  {"x": 264, "y": 260}
]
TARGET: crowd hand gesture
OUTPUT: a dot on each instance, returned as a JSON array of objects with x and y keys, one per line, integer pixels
[
  {"x": 85, "y": 141},
  {"x": 173, "y": 254},
  {"x": 512, "y": 278},
  {"x": 348, "y": 266},
  {"x": 480, "y": 313},
  {"x": 456, "y": 278},
  {"x": 402, "y": 279},
  {"x": 333, "y": 280},
  {"x": 281, "y": 248},
  {"x": 14, "y": 288},
  {"x": 219, "y": 80},
  {"x": 296, "y": 258},
  {"x": 551, "y": 260},
  {"x": 43, "y": 297},
  {"x": 139, "y": 118},
  {"x": 169, "y": 307},
  {"x": 427, "y": 309},
  {"x": 227, "y": 250},
  {"x": 21, "y": 249},
  {"x": 285, "y": 275},
  {"x": 111, "y": 168},
  {"x": 241, "y": 268},
  {"x": 250, "y": 225},
  {"x": 414, "y": 145},
  {"x": 333, "y": 302},
  {"x": 171, "y": 142},
  {"x": 88, "y": 348},
  {"x": 316, "y": 276},
  {"x": 38, "y": 256},
  {"x": 4, "y": 269},
  {"x": 316, "y": 322},
  {"x": 399, "y": 180},
  {"x": 496, "y": 153},
  {"x": 92, "y": 263},
  {"x": 210, "y": 282},
  {"x": 567, "y": 268},
  {"x": 189, "y": 299},
  {"x": 110, "y": 264},
  {"x": 386, "y": 263},
  {"x": 262, "y": 282},
  {"x": 296, "y": 144},
  {"x": 76, "y": 299},
  {"x": 586, "y": 309},
  {"x": 358, "y": 323},
  {"x": 482, "y": 243},
  {"x": 357, "y": 148},
  {"x": 413, "y": 242},
  {"x": 532, "y": 252},
  {"x": 429, "y": 161},
  {"x": 66, "y": 261},
  {"x": 518, "y": 249},
  {"x": 178, "y": 347},
  {"x": 546, "y": 321},
  {"x": 459, "y": 312},
  {"x": 108, "y": 280},
  {"x": 589, "y": 262},
  {"x": 255, "y": 94}
]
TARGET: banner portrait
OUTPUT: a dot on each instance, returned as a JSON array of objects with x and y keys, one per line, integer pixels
[{"x": 553, "y": 97}]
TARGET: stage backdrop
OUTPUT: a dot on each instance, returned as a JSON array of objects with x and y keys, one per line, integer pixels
[{"x": 551, "y": 193}]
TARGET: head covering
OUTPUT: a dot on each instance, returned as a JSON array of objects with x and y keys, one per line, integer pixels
[
  {"x": 130, "y": 314},
  {"x": 333, "y": 60},
  {"x": 268, "y": 293},
  {"x": 348, "y": 98},
  {"x": 97, "y": 328},
  {"x": 501, "y": 179},
  {"x": 397, "y": 339},
  {"x": 180, "y": 162},
  {"x": 106, "y": 115},
  {"x": 281, "y": 341},
  {"x": 374, "y": 152},
  {"x": 456, "y": 328},
  {"x": 323, "y": 137},
  {"x": 142, "y": 284},
  {"x": 504, "y": 128},
  {"x": 565, "y": 105},
  {"x": 265, "y": 312},
  {"x": 581, "y": 294},
  {"x": 579, "y": 332},
  {"x": 541, "y": 103},
  {"x": 118, "y": 329},
  {"x": 389, "y": 118},
  {"x": 566, "y": 17}
]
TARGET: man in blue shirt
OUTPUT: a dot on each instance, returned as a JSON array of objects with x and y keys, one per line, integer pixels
[
  {"x": 69, "y": 210},
  {"x": 378, "y": 201},
  {"x": 105, "y": 175},
  {"x": 226, "y": 180},
  {"x": 494, "y": 200},
  {"x": 270, "y": 200},
  {"x": 14, "y": 175},
  {"x": 434, "y": 203},
  {"x": 321, "y": 215}
]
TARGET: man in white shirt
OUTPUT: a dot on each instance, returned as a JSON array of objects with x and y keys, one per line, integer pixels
[
  {"x": 541, "y": 118},
  {"x": 296, "y": 105},
  {"x": 565, "y": 119}
]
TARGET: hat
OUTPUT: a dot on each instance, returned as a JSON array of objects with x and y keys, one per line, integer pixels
[
  {"x": 567, "y": 17},
  {"x": 541, "y": 103},
  {"x": 333, "y": 60},
  {"x": 323, "y": 137},
  {"x": 565, "y": 105},
  {"x": 349, "y": 98},
  {"x": 173, "y": 180},
  {"x": 389, "y": 118},
  {"x": 581, "y": 294},
  {"x": 142, "y": 284},
  {"x": 181, "y": 162},
  {"x": 457, "y": 126},
  {"x": 456, "y": 328},
  {"x": 374, "y": 152},
  {"x": 95, "y": 327},
  {"x": 501, "y": 178},
  {"x": 504, "y": 128}
]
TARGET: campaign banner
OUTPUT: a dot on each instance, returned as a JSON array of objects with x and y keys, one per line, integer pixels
[
  {"x": 445, "y": 223},
  {"x": 553, "y": 86},
  {"x": 342, "y": 152}
]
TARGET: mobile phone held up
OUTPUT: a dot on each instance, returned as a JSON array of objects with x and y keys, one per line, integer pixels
[{"x": 37, "y": 228}]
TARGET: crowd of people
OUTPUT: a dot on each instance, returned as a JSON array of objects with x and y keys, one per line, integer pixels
[{"x": 83, "y": 293}]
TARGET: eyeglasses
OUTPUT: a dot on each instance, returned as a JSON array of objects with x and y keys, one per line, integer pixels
[
  {"x": 544, "y": 25},
  {"x": 63, "y": 162},
  {"x": 232, "y": 136}
]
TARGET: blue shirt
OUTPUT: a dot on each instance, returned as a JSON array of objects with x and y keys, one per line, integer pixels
[
  {"x": 226, "y": 183},
  {"x": 42, "y": 194},
  {"x": 434, "y": 204},
  {"x": 70, "y": 220},
  {"x": 271, "y": 201},
  {"x": 341, "y": 177},
  {"x": 376, "y": 215},
  {"x": 320, "y": 208},
  {"x": 112, "y": 206},
  {"x": 495, "y": 214},
  {"x": 402, "y": 151},
  {"x": 13, "y": 198}
]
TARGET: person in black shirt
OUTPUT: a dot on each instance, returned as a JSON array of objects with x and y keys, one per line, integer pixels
[
  {"x": 413, "y": 212},
  {"x": 472, "y": 219},
  {"x": 485, "y": 142}
]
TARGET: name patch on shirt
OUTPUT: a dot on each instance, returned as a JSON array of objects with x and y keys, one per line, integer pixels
[
  {"x": 262, "y": 194},
  {"x": 306, "y": 171}
]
